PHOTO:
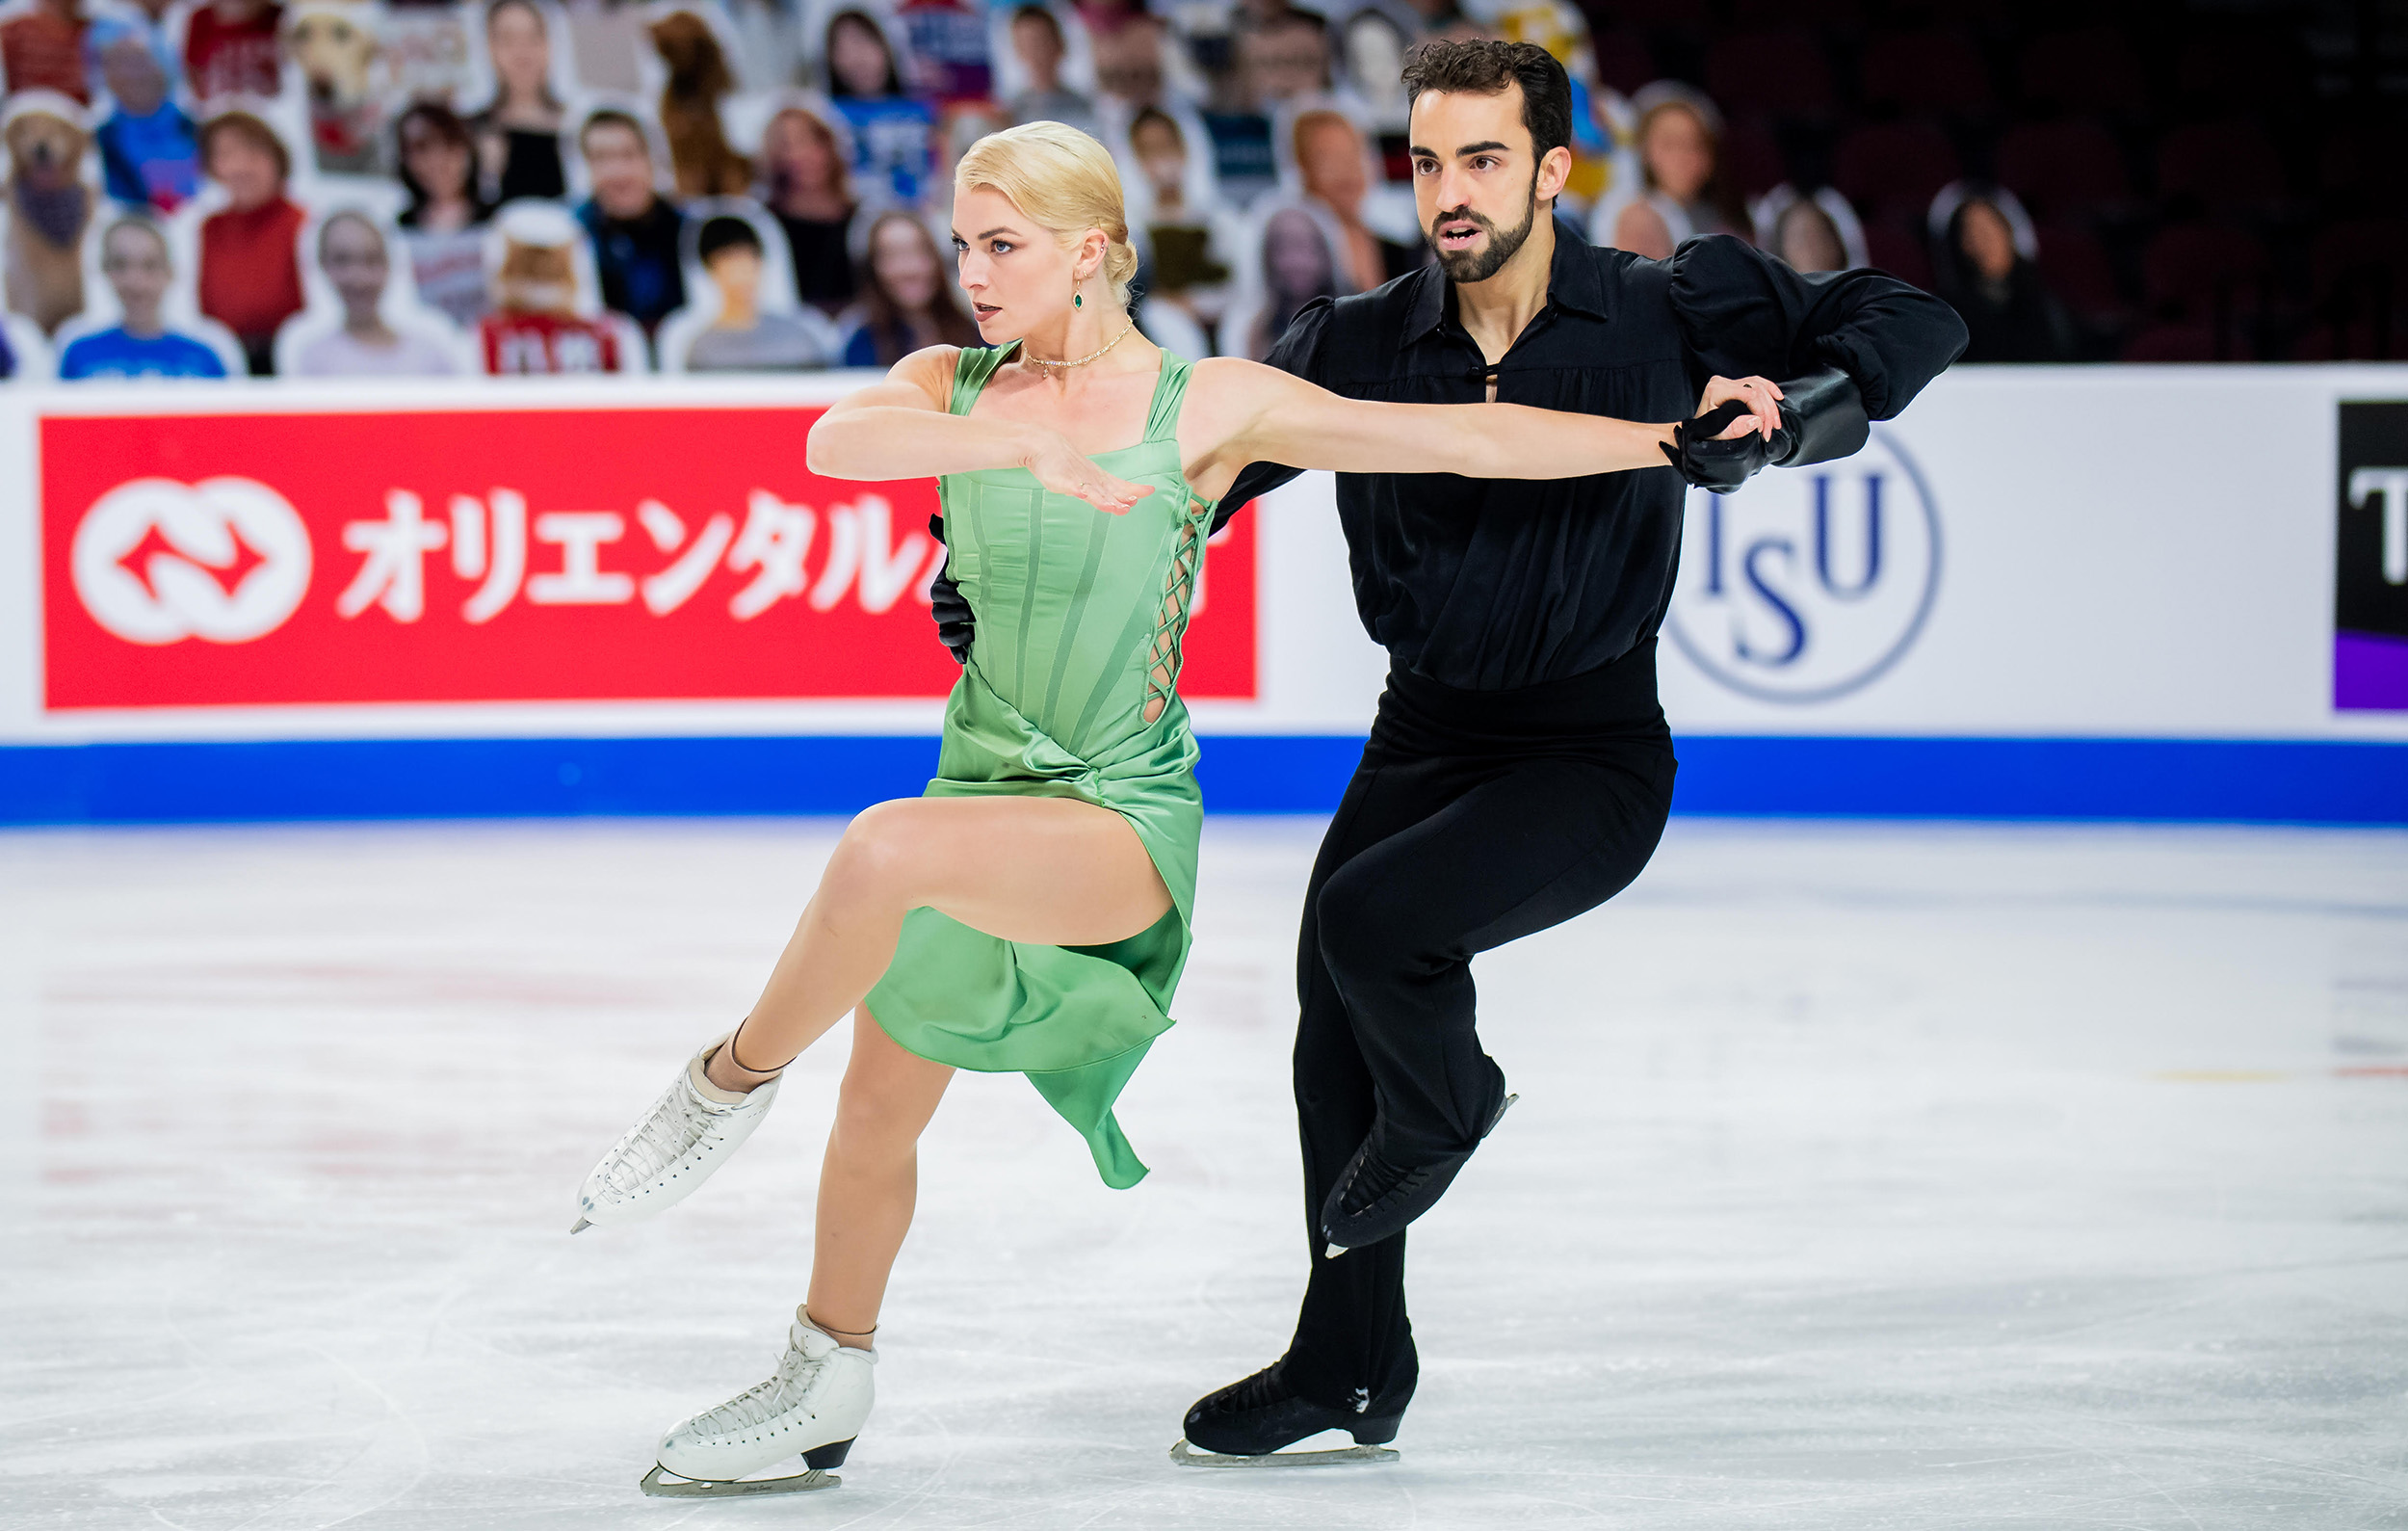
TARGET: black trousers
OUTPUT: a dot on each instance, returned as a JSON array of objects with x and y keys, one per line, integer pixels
[{"x": 1476, "y": 817}]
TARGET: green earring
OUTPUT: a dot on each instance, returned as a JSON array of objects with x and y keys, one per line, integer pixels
[{"x": 1078, "y": 301}]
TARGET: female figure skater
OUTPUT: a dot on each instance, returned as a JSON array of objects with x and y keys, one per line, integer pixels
[{"x": 1031, "y": 913}]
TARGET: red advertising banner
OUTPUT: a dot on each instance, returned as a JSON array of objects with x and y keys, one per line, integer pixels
[{"x": 637, "y": 554}]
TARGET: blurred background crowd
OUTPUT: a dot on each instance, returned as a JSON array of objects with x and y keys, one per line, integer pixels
[{"x": 204, "y": 188}]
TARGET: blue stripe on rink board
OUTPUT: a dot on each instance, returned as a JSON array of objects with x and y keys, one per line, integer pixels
[{"x": 2289, "y": 782}]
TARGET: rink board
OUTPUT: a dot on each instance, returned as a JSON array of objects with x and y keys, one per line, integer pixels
[{"x": 2131, "y": 593}]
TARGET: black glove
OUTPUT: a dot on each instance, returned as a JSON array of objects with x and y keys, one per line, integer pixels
[
  {"x": 955, "y": 626},
  {"x": 1707, "y": 463},
  {"x": 1822, "y": 417}
]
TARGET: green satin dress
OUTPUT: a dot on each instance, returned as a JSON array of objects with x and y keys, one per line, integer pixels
[{"x": 1079, "y": 617}]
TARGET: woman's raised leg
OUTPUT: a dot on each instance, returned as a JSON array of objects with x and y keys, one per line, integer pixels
[
  {"x": 870, "y": 1179},
  {"x": 1054, "y": 871}
]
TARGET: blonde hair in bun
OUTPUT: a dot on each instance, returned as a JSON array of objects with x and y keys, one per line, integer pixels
[{"x": 1064, "y": 180}]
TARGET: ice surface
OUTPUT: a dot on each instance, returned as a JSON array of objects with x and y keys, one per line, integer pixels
[{"x": 1863, "y": 1177}]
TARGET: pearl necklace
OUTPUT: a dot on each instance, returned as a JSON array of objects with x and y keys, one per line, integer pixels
[{"x": 1040, "y": 361}]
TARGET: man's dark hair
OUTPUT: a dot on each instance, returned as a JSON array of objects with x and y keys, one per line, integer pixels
[
  {"x": 613, "y": 116},
  {"x": 725, "y": 232},
  {"x": 1483, "y": 66}
]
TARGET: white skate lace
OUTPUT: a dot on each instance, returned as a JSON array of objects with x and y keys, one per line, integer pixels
[
  {"x": 666, "y": 1133},
  {"x": 759, "y": 1404}
]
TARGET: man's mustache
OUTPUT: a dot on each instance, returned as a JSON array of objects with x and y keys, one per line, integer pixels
[{"x": 1460, "y": 215}]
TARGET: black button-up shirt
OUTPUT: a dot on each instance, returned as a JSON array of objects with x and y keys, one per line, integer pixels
[{"x": 1492, "y": 583}]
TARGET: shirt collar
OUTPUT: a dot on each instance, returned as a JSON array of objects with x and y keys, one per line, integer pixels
[{"x": 1573, "y": 281}]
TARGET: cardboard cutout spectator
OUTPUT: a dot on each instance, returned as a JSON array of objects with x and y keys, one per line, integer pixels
[
  {"x": 150, "y": 151},
  {"x": 1276, "y": 62},
  {"x": 907, "y": 296},
  {"x": 1040, "y": 48},
  {"x": 754, "y": 326},
  {"x": 41, "y": 48},
  {"x": 1185, "y": 264},
  {"x": 1683, "y": 191},
  {"x": 334, "y": 46},
  {"x": 805, "y": 165},
  {"x": 356, "y": 264},
  {"x": 702, "y": 163},
  {"x": 443, "y": 225},
  {"x": 250, "y": 256},
  {"x": 1131, "y": 70},
  {"x": 539, "y": 324},
  {"x": 49, "y": 207},
  {"x": 231, "y": 49},
  {"x": 947, "y": 41},
  {"x": 1812, "y": 233},
  {"x": 1371, "y": 57},
  {"x": 1295, "y": 261},
  {"x": 892, "y": 133},
  {"x": 153, "y": 21},
  {"x": 1984, "y": 264},
  {"x": 1334, "y": 168},
  {"x": 134, "y": 261},
  {"x": 634, "y": 228},
  {"x": 518, "y": 132}
]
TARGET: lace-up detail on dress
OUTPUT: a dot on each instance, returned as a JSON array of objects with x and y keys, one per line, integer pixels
[{"x": 1167, "y": 653}]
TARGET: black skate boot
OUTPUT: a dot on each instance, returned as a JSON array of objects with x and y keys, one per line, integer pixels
[
  {"x": 1375, "y": 1198},
  {"x": 1245, "y": 1423}
]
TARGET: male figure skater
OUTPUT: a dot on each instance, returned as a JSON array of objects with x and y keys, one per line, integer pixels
[{"x": 1520, "y": 769}]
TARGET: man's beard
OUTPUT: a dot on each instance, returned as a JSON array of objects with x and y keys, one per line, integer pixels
[{"x": 1484, "y": 261}]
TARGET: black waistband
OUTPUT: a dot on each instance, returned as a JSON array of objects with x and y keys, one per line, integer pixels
[{"x": 1613, "y": 701}]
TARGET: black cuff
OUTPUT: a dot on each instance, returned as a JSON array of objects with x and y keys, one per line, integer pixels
[{"x": 1822, "y": 417}]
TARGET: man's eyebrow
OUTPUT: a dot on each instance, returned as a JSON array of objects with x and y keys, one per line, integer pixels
[{"x": 1485, "y": 147}]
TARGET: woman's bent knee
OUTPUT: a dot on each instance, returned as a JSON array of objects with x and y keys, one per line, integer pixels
[{"x": 876, "y": 854}]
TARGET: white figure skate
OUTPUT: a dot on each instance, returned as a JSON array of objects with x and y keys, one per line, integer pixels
[
  {"x": 815, "y": 1404},
  {"x": 672, "y": 1148}
]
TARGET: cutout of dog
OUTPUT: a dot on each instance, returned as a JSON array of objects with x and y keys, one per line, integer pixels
[
  {"x": 50, "y": 206},
  {"x": 333, "y": 45},
  {"x": 704, "y": 162}
]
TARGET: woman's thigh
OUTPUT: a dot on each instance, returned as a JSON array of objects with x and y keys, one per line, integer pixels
[{"x": 1051, "y": 871}]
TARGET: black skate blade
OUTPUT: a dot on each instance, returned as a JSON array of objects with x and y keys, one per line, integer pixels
[
  {"x": 661, "y": 1484},
  {"x": 1188, "y": 1456}
]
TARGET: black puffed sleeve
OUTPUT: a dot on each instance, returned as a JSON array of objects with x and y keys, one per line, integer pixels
[
  {"x": 1742, "y": 311},
  {"x": 1297, "y": 353}
]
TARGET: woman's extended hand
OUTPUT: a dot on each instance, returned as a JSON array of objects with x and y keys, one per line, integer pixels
[
  {"x": 1761, "y": 395},
  {"x": 1064, "y": 469}
]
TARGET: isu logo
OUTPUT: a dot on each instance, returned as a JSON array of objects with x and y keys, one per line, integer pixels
[
  {"x": 156, "y": 561},
  {"x": 1806, "y": 585}
]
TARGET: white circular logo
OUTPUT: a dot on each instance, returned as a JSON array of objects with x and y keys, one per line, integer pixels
[
  {"x": 1806, "y": 584},
  {"x": 169, "y": 592}
]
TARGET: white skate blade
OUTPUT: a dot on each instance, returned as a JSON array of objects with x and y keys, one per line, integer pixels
[
  {"x": 1188, "y": 1456},
  {"x": 662, "y": 1484}
]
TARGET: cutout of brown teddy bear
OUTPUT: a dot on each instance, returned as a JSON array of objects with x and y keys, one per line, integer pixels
[
  {"x": 704, "y": 163},
  {"x": 49, "y": 206}
]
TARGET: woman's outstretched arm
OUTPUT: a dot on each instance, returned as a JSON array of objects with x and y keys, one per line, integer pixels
[
  {"x": 1274, "y": 417},
  {"x": 902, "y": 429}
]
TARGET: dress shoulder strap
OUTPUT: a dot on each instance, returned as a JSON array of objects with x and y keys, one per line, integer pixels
[
  {"x": 971, "y": 370},
  {"x": 1162, "y": 418}
]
